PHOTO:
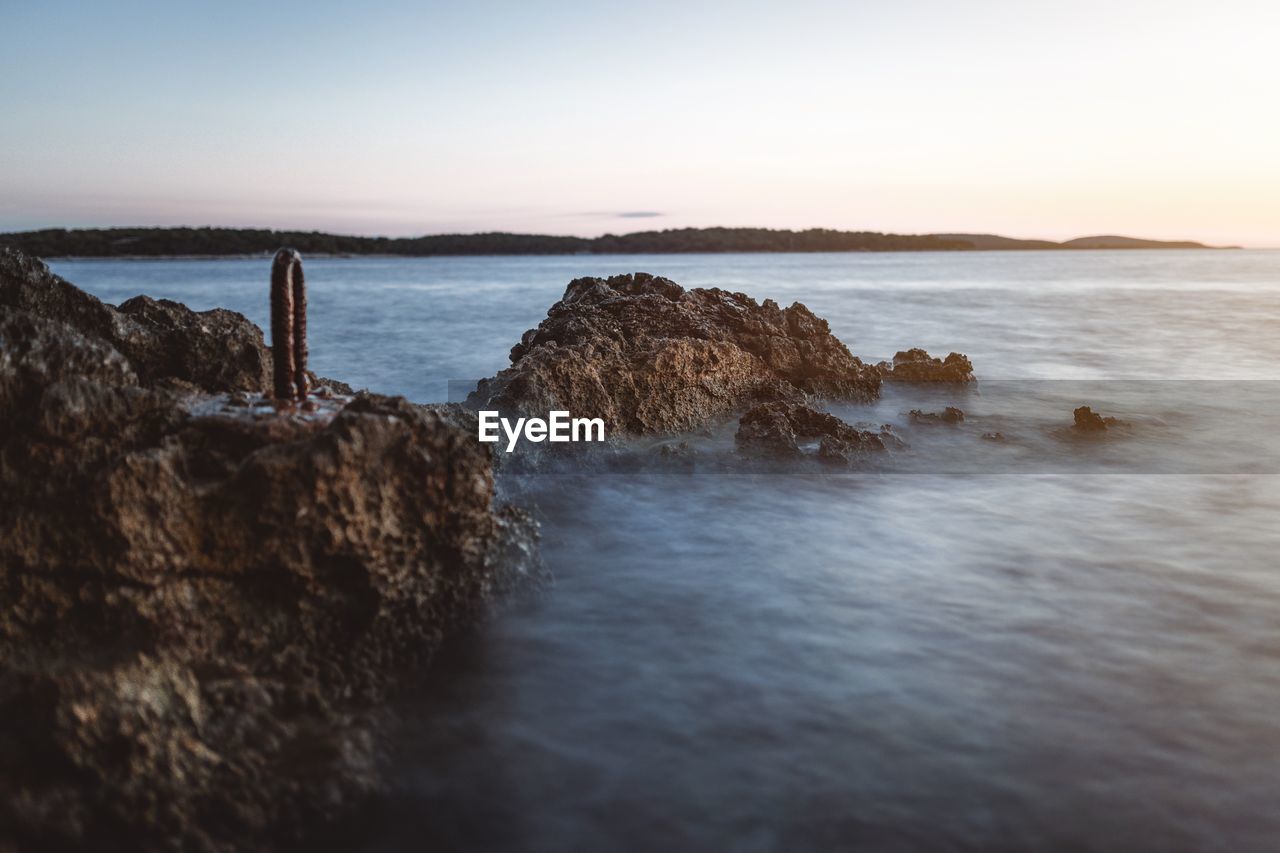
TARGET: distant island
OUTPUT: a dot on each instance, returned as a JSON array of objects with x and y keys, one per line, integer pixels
[{"x": 230, "y": 242}]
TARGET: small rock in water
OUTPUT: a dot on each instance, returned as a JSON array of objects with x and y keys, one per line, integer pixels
[
  {"x": 950, "y": 415},
  {"x": 678, "y": 450},
  {"x": 994, "y": 436},
  {"x": 1087, "y": 420}
]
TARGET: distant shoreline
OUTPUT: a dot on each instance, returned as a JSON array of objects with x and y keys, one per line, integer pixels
[{"x": 211, "y": 243}]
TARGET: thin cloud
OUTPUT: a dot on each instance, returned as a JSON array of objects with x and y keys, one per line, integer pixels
[{"x": 621, "y": 214}]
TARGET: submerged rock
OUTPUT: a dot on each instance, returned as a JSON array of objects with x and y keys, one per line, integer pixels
[
  {"x": 916, "y": 365},
  {"x": 777, "y": 429},
  {"x": 650, "y": 357},
  {"x": 205, "y": 593},
  {"x": 949, "y": 415}
]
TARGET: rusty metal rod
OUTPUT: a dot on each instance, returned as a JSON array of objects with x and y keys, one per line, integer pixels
[
  {"x": 289, "y": 326},
  {"x": 299, "y": 328}
]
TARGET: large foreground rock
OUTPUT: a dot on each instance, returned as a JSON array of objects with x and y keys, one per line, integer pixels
[
  {"x": 650, "y": 357},
  {"x": 202, "y": 595}
]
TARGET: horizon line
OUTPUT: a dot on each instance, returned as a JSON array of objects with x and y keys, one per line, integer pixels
[{"x": 605, "y": 234}]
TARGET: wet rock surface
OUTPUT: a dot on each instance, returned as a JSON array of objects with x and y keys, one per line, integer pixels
[
  {"x": 205, "y": 595},
  {"x": 916, "y": 365},
  {"x": 650, "y": 357}
]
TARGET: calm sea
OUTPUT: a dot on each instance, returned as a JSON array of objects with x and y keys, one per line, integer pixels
[{"x": 1043, "y": 642}]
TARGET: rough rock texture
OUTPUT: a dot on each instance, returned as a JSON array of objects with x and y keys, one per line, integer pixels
[
  {"x": 650, "y": 357},
  {"x": 1087, "y": 420},
  {"x": 916, "y": 365},
  {"x": 202, "y": 594},
  {"x": 778, "y": 428},
  {"x": 949, "y": 415},
  {"x": 216, "y": 350}
]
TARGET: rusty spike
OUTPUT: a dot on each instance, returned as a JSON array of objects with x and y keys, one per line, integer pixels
[
  {"x": 289, "y": 326},
  {"x": 299, "y": 328}
]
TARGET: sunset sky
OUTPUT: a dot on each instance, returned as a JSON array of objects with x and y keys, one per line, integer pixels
[{"x": 1031, "y": 119}]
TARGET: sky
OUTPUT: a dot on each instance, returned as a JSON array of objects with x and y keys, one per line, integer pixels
[{"x": 1030, "y": 119}]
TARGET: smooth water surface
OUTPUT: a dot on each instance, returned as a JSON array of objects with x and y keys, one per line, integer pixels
[{"x": 1036, "y": 643}]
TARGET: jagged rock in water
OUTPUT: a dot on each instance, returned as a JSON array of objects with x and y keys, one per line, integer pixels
[
  {"x": 949, "y": 415},
  {"x": 916, "y": 365},
  {"x": 650, "y": 357},
  {"x": 777, "y": 428},
  {"x": 1087, "y": 420},
  {"x": 205, "y": 594}
]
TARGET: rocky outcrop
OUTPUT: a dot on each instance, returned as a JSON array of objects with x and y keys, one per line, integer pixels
[
  {"x": 650, "y": 357},
  {"x": 916, "y": 365},
  {"x": 779, "y": 428},
  {"x": 204, "y": 593}
]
